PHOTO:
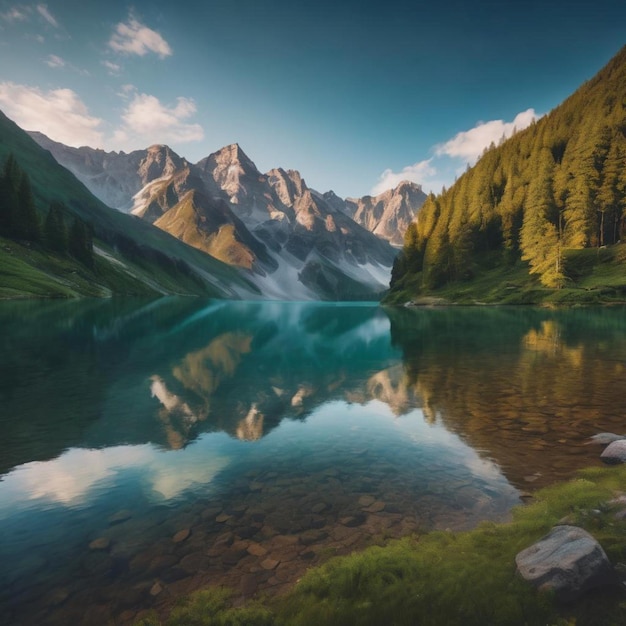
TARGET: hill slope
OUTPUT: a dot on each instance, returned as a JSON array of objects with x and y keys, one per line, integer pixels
[
  {"x": 132, "y": 256},
  {"x": 526, "y": 222}
]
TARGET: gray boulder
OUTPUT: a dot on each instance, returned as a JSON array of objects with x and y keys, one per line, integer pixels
[
  {"x": 604, "y": 439},
  {"x": 615, "y": 452},
  {"x": 568, "y": 561}
]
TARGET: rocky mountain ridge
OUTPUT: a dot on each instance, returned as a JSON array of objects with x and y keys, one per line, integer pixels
[{"x": 297, "y": 242}]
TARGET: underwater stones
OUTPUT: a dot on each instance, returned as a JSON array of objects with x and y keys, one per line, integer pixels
[
  {"x": 248, "y": 585},
  {"x": 366, "y": 500},
  {"x": 351, "y": 521},
  {"x": 156, "y": 589},
  {"x": 615, "y": 452},
  {"x": 309, "y": 537},
  {"x": 256, "y": 549},
  {"x": 319, "y": 507},
  {"x": 231, "y": 556},
  {"x": 56, "y": 597},
  {"x": 119, "y": 517},
  {"x": 567, "y": 561},
  {"x": 376, "y": 507},
  {"x": 101, "y": 543},
  {"x": 97, "y": 563},
  {"x": 269, "y": 564},
  {"x": 194, "y": 562},
  {"x": 223, "y": 517},
  {"x": 181, "y": 535},
  {"x": 162, "y": 563}
]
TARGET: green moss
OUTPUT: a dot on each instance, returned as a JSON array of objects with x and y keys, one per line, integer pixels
[{"x": 212, "y": 607}]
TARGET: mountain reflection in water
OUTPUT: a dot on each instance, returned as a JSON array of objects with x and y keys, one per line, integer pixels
[{"x": 293, "y": 429}]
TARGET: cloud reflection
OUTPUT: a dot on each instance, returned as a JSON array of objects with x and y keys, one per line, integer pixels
[{"x": 80, "y": 475}]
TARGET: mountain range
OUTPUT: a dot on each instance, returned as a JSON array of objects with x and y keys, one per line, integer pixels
[{"x": 291, "y": 241}]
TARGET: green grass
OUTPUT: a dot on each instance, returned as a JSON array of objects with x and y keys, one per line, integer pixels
[
  {"x": 595, "y": 276},
  {"x": 464, "y": 579}
]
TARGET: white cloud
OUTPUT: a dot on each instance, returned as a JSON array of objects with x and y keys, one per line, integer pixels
[
  {"x": 133, "y": 37},
  {"x": 54, "y": 61},
  {"x": 42, "y": 9},
  {"x": 451, "y": 157},
  {"x": 15, "y": 14},
  {"x": 146, "y": 120},
  {"x": 469, "y": 144},
  {"x": 58, "y": 113},
  {"x": 113, "y": 68},
  {"x": 417, "y": 173}
]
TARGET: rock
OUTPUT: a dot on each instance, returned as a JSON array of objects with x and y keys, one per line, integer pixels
[
  {"x": 101, "y": 543},
  {"x": 615, "y": 452},
  {"x": 352, "y": 520},
  {"x": 604, "y": 439},
  {"x": 156, "y": 589},
  {"x": 376, "y": 507},
  {"x": 56, "y": 597},
  {"x": 194, "y": 562},
  {"x": 256, "y": 549},
  {"x": 223, "y": 517},
  {"x": 231, "y": 557},
  {"x": 181, "y": 535},
  {"x": 319, "y": 507},
  {"x": 568, "y": 561},
  {"x": 367, "y": 500},
  {"x": 248, "y": 585},
  {"x": 269, "y": 564},
  {"x": 119, "y": 517}
]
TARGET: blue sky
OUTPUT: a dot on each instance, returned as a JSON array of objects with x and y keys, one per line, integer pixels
[{"x": 355, "y": 95}]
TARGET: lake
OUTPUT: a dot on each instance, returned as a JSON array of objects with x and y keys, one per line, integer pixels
[{"x": 151, "y": 448}]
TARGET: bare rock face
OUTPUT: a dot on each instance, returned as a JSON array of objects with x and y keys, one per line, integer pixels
[
  {"x": 389, "y": 214},
  {"x": 567, "y": 561}
]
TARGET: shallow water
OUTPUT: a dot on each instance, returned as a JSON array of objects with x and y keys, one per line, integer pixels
[{"x": 150, "y": 448}]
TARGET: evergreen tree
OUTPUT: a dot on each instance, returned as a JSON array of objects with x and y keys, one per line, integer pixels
[
  {"x": 26, "y": 221},
  {"x": 55, "y": 235},
  {"x": 9, "y": 183},
  {"x": 80, "y": 242},
  {"x": 540, "y": 236}
]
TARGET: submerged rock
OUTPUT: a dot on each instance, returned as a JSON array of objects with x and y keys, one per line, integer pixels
[
  {"x": 615, "y": 452},
  {"x": 568, "y": 561}
]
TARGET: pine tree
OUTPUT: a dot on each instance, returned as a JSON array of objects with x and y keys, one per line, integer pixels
[
  {"x": 9, "y": 182},
  {"x": 55, "y": 235},
  {"x": 26, "y": 224},
  {"x": 80, "y": 242},
  {"x": 540, "y": 235}
]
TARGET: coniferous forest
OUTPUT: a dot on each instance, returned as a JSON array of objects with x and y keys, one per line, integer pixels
[
  {"x": 19, "y": 219},
  {"x": 556, "y": 187}
]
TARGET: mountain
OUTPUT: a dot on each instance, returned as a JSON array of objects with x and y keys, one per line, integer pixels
[
  {"x": 387, "y": 215},
  {"x": 540, "y": 217},
  {"x": 130, "y": 256},
  {"x": 294, "y": 243},
  {"x": 114, "y": 177}
]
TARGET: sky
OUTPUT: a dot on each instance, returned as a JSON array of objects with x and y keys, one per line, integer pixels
[{"x": 355, "y": 95}]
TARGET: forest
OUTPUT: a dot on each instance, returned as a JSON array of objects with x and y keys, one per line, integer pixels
[{"x": 555, "y": 187}]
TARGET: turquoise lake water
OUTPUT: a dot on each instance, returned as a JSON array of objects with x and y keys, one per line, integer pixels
[{"x": 150, "y": 448}]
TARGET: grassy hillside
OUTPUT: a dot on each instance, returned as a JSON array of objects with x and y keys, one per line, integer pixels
[
  {"x": 148, "y": 260},
  {"x": 544, "y": 212}
]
